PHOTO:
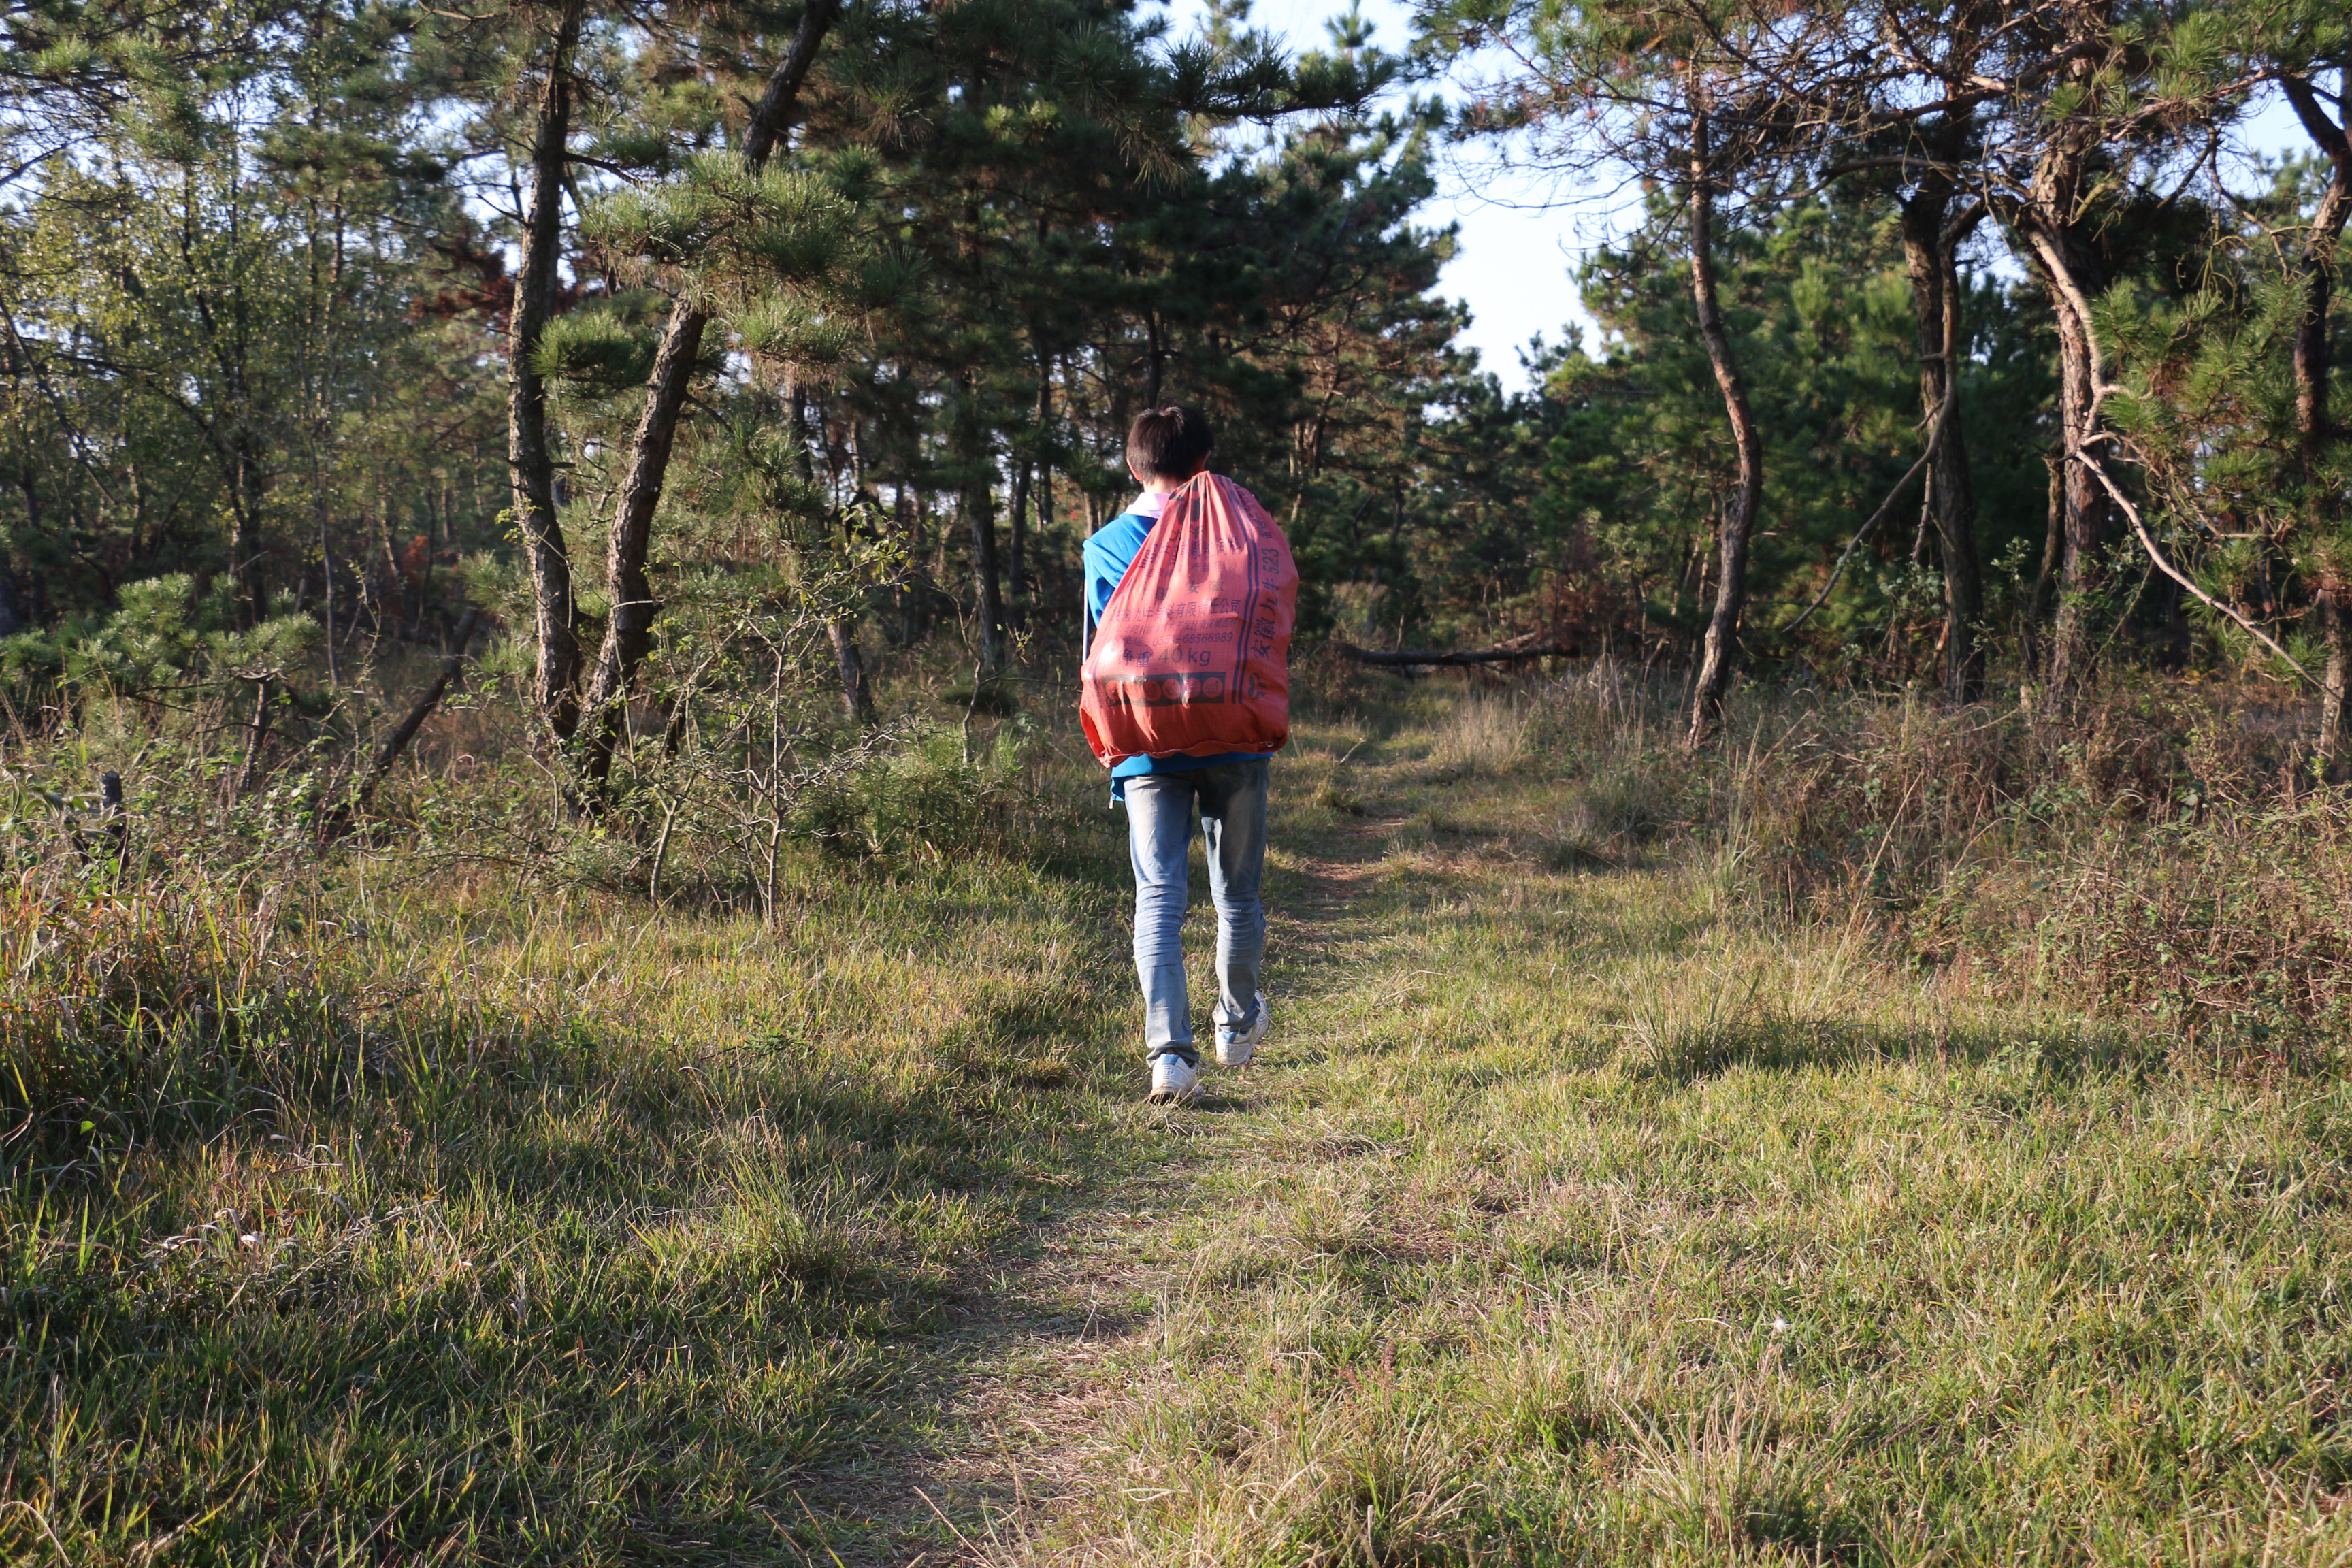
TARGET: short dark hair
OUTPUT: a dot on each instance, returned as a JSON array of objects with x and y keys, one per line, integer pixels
[{"x": 1171, "y": 443}]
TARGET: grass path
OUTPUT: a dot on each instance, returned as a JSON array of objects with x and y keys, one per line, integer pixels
[
  {"x": 1047, "y": 1347},
  {"x": 1585, "y": 1215},
  {"x": 1034, "y": 1362},
  {"x": 1583, "y": 1209}
]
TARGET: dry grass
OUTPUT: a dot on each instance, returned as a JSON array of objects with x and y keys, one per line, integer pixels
[
  {"x": 1621, "y": 1213},
  {"x": 384, "y": 1210},
  {"x": 1654, "y": 1164}
]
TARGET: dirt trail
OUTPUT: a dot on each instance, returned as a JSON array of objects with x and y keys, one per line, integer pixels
[
  {"x": 1026, "y": 1397},
  {"x": 1027, "y": 1401}
]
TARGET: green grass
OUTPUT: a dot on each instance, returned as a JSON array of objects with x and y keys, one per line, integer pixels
[
  {"x": 1589, "y": 1216},
  {"x": 1588, "y": 1207},
  {"x": 630, "y": 1243}
]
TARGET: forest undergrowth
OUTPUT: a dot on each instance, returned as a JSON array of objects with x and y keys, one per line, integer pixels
[{"x": 1907, "y": 1135}]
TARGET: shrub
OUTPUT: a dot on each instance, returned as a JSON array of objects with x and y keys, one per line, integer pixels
[
  {"x": 144, "y": 1015},
  {"x": 916, "y": 792},
  {"x": 1483, "y": 734},
  {"x": 2156, "y": 852}
]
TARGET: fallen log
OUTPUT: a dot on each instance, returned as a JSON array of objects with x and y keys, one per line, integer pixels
[
  {"x": 1409, "y": 658},
  {"x": 454, "y": 661}
]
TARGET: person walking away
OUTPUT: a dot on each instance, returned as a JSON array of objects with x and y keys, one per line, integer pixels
[{"x": 1189, "y": 598}]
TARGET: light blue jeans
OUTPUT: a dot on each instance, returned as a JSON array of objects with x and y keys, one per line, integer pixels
[{"x": 1231, "y": 798}]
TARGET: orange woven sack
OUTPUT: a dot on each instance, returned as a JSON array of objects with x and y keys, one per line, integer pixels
[{"x": 1192, "y": 653}]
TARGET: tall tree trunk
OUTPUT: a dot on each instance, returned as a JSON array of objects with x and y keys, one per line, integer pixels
[
  {"x": 1929, "y": 246},
  {"x": 850, "y": 665},
  {"x": 2086, "y": 511},
  {"x": 1956, "y": 507},
  {"x": 628, "y": 635},
  {"x": 2336, "y": 624},
  {"x": 2313, "y": 355},
  {"x": 1016, "y": 582},
  {"x": 2054, "y": 551},
  {"x": 2314, "y": 421},
  {"x": 629, "y": 628},
  {"x": 2051, "y": 225},
  {"x": 245, "y": 545},
  {"x": 531, "y": 463},
  {"x": 980, "y": 509},
  {"x": 1738, "y": 518}
]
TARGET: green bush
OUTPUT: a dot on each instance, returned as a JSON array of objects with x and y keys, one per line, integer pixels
[
  {"x": 167, "y": 632},
  {"x": 920, "y": 793}
]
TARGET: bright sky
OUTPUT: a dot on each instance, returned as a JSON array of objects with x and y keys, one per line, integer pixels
[
  {"x": 1522, "y": 235},
  {"x": 1519, "y": 243}
]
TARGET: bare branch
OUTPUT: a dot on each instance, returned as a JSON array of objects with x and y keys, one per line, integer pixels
[{"x": 2148, "y": 543}]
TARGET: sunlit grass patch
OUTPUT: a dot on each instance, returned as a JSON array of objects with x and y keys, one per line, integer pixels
[
  {"x": 1599, "y": 1205},
  {"x": 617, "y": 1237},
  {"x": 1481, "y": 735},
  {"x": 1615, "y": 1216}
]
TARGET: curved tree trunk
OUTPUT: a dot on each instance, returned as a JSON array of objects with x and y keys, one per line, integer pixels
[
  {"x": 530, "y": 461},
  {"x": 2052, "y": 227},
  {"x": 1739, "y": 518},
  {"x": 629, "y": 629},
  {"x": 628, "y": 635},
  {"x": 2086, "y": 508},
  {"x": 2314, "y": 421}
]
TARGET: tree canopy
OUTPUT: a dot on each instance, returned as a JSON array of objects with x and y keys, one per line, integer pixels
[{"x": 325, "y": 324}]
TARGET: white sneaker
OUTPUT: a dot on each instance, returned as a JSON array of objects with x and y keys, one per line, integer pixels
[
  {"x": 1174, "y": 1079},
  {"x": 1235, "y": 1047}
]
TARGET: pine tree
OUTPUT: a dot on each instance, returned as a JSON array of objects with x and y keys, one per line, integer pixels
[
  {"x": 2299, "y": 47},
  {"x": 530, "y": 446}
]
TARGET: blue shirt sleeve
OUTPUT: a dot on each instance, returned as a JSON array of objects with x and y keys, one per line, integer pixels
[{"x": 1106, "y": 556}]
